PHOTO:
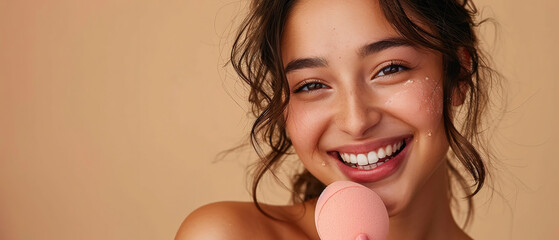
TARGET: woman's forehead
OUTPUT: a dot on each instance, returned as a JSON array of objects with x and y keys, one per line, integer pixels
[{"x": 316, "y": 27}]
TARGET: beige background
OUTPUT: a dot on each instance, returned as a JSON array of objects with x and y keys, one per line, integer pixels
[{"x": 112, "y": 114}]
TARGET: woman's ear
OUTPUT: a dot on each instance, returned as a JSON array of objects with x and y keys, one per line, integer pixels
[
  {"x": 465, "y": 60},
  {"x": 459, "y": 93}
]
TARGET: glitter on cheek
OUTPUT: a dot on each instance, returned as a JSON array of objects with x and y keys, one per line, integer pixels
[
  {"x": 420, "y": 101},
  {"x": 408, "y": 82},
  {"x": 432, "y": 104},
  {"x": 395, "y": 97},
  {"x": 432, "y": 98},
  {"x": 398, "y": 97}
]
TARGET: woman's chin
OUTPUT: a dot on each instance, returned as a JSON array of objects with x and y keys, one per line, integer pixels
[{"x": 395, "y": 201}]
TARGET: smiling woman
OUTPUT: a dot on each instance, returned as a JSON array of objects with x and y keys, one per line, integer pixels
[{"x": 365, "y": 91}]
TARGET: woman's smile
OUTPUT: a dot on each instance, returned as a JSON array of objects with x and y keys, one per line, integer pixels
[
  {"x": 369, "y": 155},
  {"x": 372, "y": 165},
  {"x": 371, "y": 159}
]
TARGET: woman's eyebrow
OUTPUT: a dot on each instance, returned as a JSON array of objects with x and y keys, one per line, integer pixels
[
  {"x": 305, "y": 63},
  {"x": 384, "y": 44},
  {"x": 366, "y": 50}
]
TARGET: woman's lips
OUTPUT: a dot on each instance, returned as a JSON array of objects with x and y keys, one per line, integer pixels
[{"x": 383, "y": 168}]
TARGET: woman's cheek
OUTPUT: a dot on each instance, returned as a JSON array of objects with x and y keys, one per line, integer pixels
[
  {"x": 305, "y": 123},
  {"x": 419, "y": 102},
  {"x": 432, "y": 95}
]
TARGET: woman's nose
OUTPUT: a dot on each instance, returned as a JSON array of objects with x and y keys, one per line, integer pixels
[{"x": 357, "y": 114}]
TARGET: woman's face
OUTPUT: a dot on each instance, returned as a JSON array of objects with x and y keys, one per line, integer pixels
[{"x": 365, "y": 104}]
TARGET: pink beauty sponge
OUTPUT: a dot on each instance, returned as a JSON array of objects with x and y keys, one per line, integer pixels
[{"x": 346, "y": 209}]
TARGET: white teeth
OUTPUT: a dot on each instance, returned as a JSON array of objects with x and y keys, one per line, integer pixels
[
  {"x": 362, "y": 160},
  {"x": 367, "y": 167},
  {"x": 381, "y": 153},
  {"x": 368, "y": 159},
  {"x": 352, "y": 158},
  {"x": 372, "y": 157},
  {"x": 388, "y": 150}
]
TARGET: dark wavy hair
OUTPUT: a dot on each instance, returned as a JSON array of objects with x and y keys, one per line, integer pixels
[{"x": 256, "y": 57}]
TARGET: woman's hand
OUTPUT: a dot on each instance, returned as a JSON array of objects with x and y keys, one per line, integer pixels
[{"x": 362, "y": 236}]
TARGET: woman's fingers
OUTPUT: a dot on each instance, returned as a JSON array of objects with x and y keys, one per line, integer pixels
[{"x": 362, "y": 236}]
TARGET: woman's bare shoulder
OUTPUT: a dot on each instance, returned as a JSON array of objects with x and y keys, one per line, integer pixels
[
  {"x": 221, "y": 220},
  {"x": 238, "y": 220}
]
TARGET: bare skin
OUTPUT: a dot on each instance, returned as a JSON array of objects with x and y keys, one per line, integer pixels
[{"x": 242, "y": 220}]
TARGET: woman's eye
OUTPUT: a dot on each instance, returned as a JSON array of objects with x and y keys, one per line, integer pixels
[
  {"x": 310, "y": 87},
  {"x": 391, "y": 69}
]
